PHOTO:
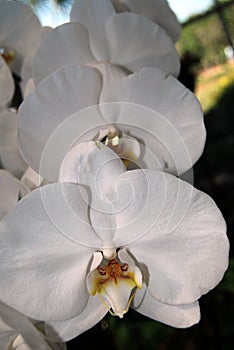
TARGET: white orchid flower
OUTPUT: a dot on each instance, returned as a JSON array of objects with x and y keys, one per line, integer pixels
[
  {"x": 10, "y": 157},
  {"x": 19, "y": 32},
  {"x": 27, "y": 83},
  {"x": 74, "y": 104},
  {"x": 11, "y": 190},
  {"x": 98, "y": 34},
  {"x": 6, "y": 83},
  {"x": 109, "y": 239},
  {"x": 17, "y": 332},
  {"x": 158, "y": 11}
]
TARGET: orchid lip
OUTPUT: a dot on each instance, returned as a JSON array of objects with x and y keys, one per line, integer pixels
[
  {"x": 115, "y": 283},
  {"x": 7, "y": 54}
]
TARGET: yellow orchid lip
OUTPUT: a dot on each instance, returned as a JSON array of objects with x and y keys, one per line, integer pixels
[
  {"x": 7, "y": 54},
  {"x": 116, "y": 284}
]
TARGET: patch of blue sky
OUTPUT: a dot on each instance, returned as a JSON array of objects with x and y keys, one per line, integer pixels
[
  {"x": 187, "y": 8},
  {"x": 51, "y": 15}
]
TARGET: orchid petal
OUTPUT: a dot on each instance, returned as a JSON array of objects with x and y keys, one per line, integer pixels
[
  {"x": 181, "y": 316},
  {"x": 93, "y": 313},
  {"x": 64, "y": 45},
  {"x": 31, "y": 179},
  {"x": 159, "y": 12},
  {"x": 182, "y": 244},
  {"x": 166, "y": 116},
  {"x": 142, "y": 43},
  {"x": 9, "y": 151},
  {"x": 4, "y": 341},
  {"x": 19, "y": 31},
  {"x": 45, "y": 130},
  {"x": 28, "y": 87},
  {"x": 93, "y": 15},
  {"x": 46, "y": 242},
  {"x": 138, "y": 200},
  {"x": 7, "y": 86},
  {"x": 26, "y": 69},
  {"x": 95, "y": 166},
  {"x": 92, "y": 164},
  {"x": 19, "y": 324},
  {"x": 111, "y": 74},
  {"x": 11, "y": 190}
]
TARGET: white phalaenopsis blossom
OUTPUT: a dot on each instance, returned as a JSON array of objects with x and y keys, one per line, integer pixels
[
  {"x": 77, "y": 103},
  {"x": 19, "y": 37},
  {"x": 10, "y": 157},
  {"x": 27, "y": 82},
  {"x": 98, "y": 34},
  {"x": 11, "y": 190},
  {"x": 108, "y": 239},
  {"x": 17, "y": 332},
  {"x": 158, "y": 11},
  {"x": 6, "y": 83}
]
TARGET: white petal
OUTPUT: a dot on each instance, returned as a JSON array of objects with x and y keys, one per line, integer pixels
[
  {"x": 187, "y": 248},
  {"x": 136, "y": 42},
  {"x": 28, "y": 87},
  {"x": 46, "y": 248},
  {"x": 21, "y": 325},
  {"x": 111, "y": 75},
  {"x": 64, "y": 45},
  {"x": 11, "y": 190},
  {"x": 181, "y": 316},
  {"x": 9, "y": 151},
  {"x": 31, "y": 179},
  {"x": 165, "y": 117},
  {"x": 7, "y": 86},
  {"x": 4, "y": 341},
  {"x": 26, "y": 70},
  {"x": 19, "y": 31},
  {"x": 46, "y": 128},
  {"x": 95, "y": 166},
  {"x": 159, "y": 12},
  {"x": 94, "y": 15},
  {"x": 89, "y": 317},
  {"x": 138, "y": 198}
]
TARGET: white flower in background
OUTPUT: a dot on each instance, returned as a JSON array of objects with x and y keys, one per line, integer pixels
[
  {"x": 98, "y": 34},
  {"x": 19, "y": 37},
  {"x": 19, "y": 31},
  {"x": 77, "y": 103},
  {"x": 27, "y": 83},
  {"x": 10, "y": 157},
  {"x": 6, "y": 83},
  {"x": 17, "y": 332},
  {"x": 139, "y": 238},
  {"x": 157, "y": 10},
  {"x": 11, "y": 190}
]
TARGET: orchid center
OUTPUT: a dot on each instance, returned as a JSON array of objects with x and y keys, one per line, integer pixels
[
  {"x": 124, "y": 145},
  {"x": 115, "y": 283},
  {"x": 7, "y": 54}
]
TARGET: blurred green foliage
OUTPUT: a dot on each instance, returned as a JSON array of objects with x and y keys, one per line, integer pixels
[
  {"x": 205, "y": 39},
  {"x": 211, "y": 84}
]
